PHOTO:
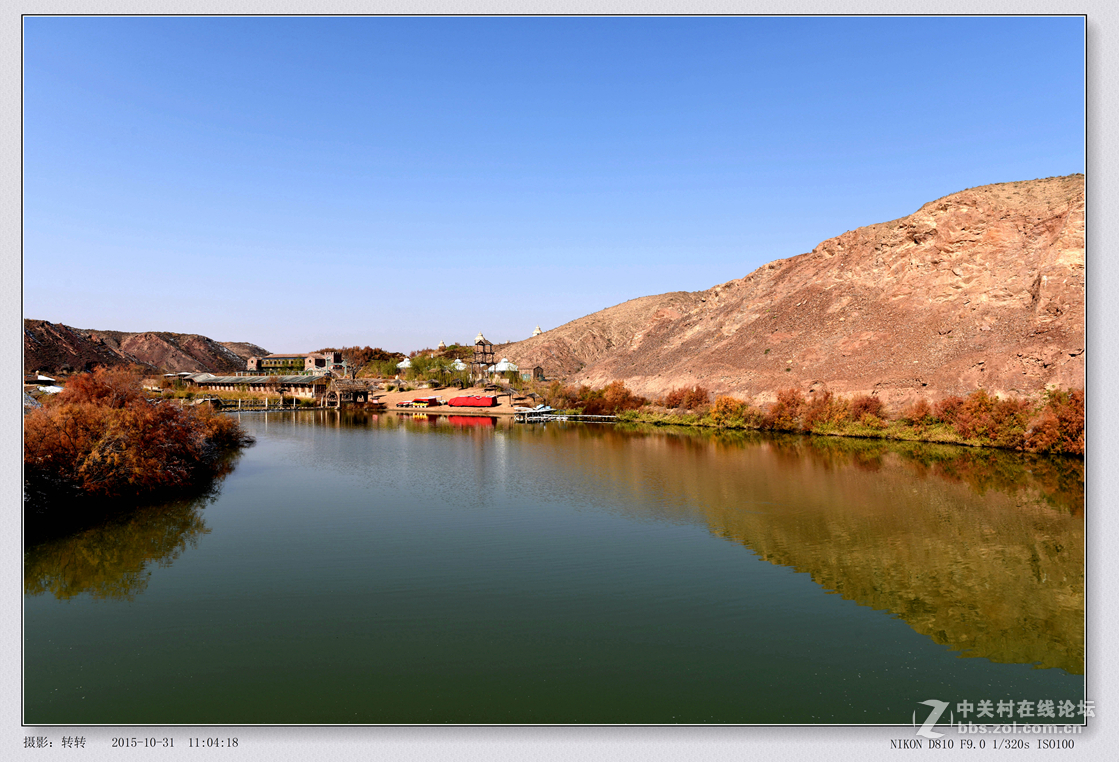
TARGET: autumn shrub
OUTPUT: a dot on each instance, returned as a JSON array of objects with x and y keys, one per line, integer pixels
[
  {"x": 687, "y": 398},
  {"x": 864, "y": 405},
  {"x": 871, "y": 421},
  {"x": 728, "y": 411},
  {"x": 947, "y": 408},
  {"x": 824, "y": 411},
  {"x": 609, "y": 400},
  {"x": 1059, "y": 427},
  {"x": 591, "y": 401},
  {"x": 564, "y": 397},
  {"x": 105, "y": 387},
  {"x": 1001, "y": 422},
  {"x": 617, "y": 397},
  {"x": 784, "y": 414},
  {"x": 101, "y": 438},
  {"x": 918, "y": 413},
  {"x": 674, "y": 397},
  {"x": 555, "y": 395},
  {"x": 223, "y": 432}
]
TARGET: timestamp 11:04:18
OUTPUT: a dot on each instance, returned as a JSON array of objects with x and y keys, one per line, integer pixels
[{"x": 212, "y": 743}]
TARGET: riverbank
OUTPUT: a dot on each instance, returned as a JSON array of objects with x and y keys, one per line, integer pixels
[{"x": 1055, "y": 425}]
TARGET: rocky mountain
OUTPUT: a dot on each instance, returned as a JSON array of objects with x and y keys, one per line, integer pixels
[
  {"x": 56, "y": 348},
  {"x": 982, "y": 288},
  {"x": 244, "y": 349}
]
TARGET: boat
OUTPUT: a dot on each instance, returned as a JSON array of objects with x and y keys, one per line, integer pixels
[
  {"x": 538, "y": 410},
  {"x": 477, "y": 400}
]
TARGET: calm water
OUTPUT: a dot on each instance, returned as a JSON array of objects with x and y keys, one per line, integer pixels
[{"x": 384, "y": 570}]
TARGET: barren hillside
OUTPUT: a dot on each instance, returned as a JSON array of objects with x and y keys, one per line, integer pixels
[
  {"x": 983, "y": 288},
  {"x": 244, "y": 349},
  {"x": 53, "y": 347}
]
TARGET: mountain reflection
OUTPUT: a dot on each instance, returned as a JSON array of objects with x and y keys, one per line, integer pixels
[
  {"x": 113, "y": 561},
  {"x": 980, "y": 550}
]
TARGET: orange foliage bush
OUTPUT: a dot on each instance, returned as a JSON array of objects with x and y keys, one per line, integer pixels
[
  {"x": 784, "y": 414},
  {"x": 615, "y": 398},
  {"x": 107, "y": 387},
  {"x": 1002, "y": 422},
  {"x": 947, "y": 408},
  {"x": 825, "y": 409},
  {"x": 608, "y": 400},
  {"x": 689, "y": 399},
  {"x": 919, "y": 413},
  {"x": 1060, "y": 426},
  {"x": 101, "y": 437},
  {"x": 865, "y": 405},
  {"x": 728, "y": 411}
]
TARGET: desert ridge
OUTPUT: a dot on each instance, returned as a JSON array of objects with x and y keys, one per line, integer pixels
[{"x": 984, "y": 288}]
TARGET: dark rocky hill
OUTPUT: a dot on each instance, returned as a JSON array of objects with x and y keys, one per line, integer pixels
[{"x": 57, "y": 348}]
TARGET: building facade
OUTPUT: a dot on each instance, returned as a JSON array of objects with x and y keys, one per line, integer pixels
[
  {"x": 289, "y": 364},
  {"x": 303, "y": 386}
]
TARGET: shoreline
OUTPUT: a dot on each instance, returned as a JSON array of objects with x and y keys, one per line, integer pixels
[
  {"x": 884, "y": 430},
  {"x": 896, "y": 433}
]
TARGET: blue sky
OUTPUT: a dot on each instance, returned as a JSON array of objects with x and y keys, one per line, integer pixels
[{"x": 310, "y": 182}]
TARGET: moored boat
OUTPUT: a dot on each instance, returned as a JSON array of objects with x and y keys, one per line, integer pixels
[{"x": 478, "y": 400}]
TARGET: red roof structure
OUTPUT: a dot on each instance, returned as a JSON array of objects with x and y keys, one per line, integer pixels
[{"x": 474, "y": 401}]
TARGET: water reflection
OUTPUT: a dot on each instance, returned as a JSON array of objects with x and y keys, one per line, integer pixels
[
  {"x": 113, "y": 561},
  {"x": 351, "y": 418},
  {"x": 980, "y": 550}
]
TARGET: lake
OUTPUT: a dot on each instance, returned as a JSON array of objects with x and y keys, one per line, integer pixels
[{"x": 361, "y": 568}]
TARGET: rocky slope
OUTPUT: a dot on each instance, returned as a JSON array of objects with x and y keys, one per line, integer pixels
[
  {"x": 983, "y": 288},
  {"x": 244, "y": 349},
  {"x": 55, "y": 348}
]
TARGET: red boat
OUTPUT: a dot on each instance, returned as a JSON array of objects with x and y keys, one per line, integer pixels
[{"x": 476, "y": 401}]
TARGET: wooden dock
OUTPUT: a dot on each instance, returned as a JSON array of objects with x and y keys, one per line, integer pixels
[{"x": 529, "y": 416}]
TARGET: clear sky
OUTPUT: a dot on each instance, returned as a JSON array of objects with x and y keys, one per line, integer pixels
[{"x": 310, "y": 182}]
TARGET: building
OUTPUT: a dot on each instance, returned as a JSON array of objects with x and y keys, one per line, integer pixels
[
  {"x": 323, "y": 362},
  {"x": 306, "y": 386},
  {"x": 307, "y": 362}
]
